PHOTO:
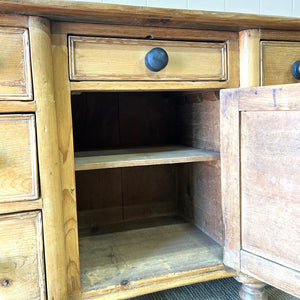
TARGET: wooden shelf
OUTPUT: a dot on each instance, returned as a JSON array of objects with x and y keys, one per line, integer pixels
[
  {"x": 149, "y": 256},
  {"x": 141, "y": 156}
]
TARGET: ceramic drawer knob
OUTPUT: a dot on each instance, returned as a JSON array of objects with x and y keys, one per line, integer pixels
[
  {"x": 296, "y": 69},
  {"x": 156, "y": 59}
]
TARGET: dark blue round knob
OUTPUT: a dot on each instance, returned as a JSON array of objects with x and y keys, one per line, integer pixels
[
  {"x": 296, "y": 69},
  {"x": 156, "y": 59}
]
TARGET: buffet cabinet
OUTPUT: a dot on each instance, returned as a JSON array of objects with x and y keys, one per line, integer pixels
[{"x": 132, "y": 162}]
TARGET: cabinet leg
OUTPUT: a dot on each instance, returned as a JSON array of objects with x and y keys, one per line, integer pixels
[{"x": 251, "y": 289}]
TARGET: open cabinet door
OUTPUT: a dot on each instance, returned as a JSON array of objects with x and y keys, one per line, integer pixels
[{"x": 260, "y": 157}]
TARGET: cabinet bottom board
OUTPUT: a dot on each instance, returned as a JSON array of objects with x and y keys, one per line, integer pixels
[{"x": 125, "y": 260}]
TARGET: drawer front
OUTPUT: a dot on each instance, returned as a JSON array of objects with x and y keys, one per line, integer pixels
[
  {"x": 18, "y": 161},
  {"x": 15, "y": 75},
  {"x": 21, "y": 257},
  {"x": 277, "y": 59},
  {"x": 93, "y": 58}
]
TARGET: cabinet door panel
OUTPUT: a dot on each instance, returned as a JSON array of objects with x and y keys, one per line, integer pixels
[
  {"x": 260, "y": 156},
  {"x": 270, "y": 181}
]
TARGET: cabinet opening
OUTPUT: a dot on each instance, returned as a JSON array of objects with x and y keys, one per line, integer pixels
[{"x": 147, "y": 187}]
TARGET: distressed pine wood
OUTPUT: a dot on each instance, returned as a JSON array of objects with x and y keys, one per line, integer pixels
[
  {"x": 11, "y": 207},
  {"x": 17, "y": 106},
  {"x": 272, "y": 273},
  {"x": 142, "y": 156},
  {"x": 249, "y": 58},
  {"x": 270, "y": 160},
  {"x": 277, "y": 59},
  {"x": 66, "y": 156},
  {"x": 136, "y": 255},
  {"x": 146, "y": 16},
  {"x": 21, "y": 257},
  {"x": 94, "y": 86},
  {"x": 94, "y": 58},
  {"x": 18, "y": 172},
  {"x": 15, "y": 75},
  {"x": 50, "y": 179},
  {"x": 230, "y": 176},
  {"x": 142, "y": 32},
  {"x": 13, "y": 20},
  {"x": 279, "y": 97}
]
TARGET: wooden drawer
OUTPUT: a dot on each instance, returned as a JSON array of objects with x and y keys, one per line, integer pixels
[
  {"x": 18, "y": 162},
  {"x": 15, "y": 74},
  {"x": 21, "y": 257},
  {"x": 277, "y": 59},
  {"x": 94, "y": 58}
]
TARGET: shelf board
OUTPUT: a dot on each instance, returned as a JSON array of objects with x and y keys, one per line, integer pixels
[
  {"x": 141, "y": 156},
  {"x": 150, "y": 256}
]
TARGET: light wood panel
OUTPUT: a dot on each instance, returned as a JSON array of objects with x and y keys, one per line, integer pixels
[
  {"x": 50, "y": 179},
  {"x": 230, "y": 176},
  {"x": 118, "y": 261},
  {"x": 250, "y": 58},
  {"x": 270, "y": 185},
  {"x": 66, "y": 157},
  {"x": 17, "y": 106},
  {"x": 17, "y": 206},
  {"x": 18, "y": 159},
  {"x": 94, "y": 58},
  {"x": 13, "y": 20},
  {"x": 147, "y": 16},
  {"x": 141, "y": 156},
  {"x": 277, "y": 59},
  {"x": 274, "y": 274},
  {"x": 21, "y": 257},
  {"x": 15, "y": 74},
  {"x": 123, "y": 86}
]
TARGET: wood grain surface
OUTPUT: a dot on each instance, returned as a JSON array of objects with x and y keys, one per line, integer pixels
[
  {"x": 95, "y": 58},
  {"x": 15, "y": 75},
  {"x": 22, "y": 272},
  {"x": 18, "y": 172}
]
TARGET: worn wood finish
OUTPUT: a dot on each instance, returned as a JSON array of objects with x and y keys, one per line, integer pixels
[
  {"x": 279, "y": 35},
  {"x": 277, "y": 59},
  {"x": 21, "y": 257},
  {"x": 126, "y": 86},
  {"x": 274, "y": 274},
  {"x": 15, "y": 75},
  {"x": 279, "y": 97},
  {"x": 146, "y": 16},
  {"x": 270, "y": 160},
  {"x": 18, "y": 172},
  {"x": 142, "y": 32},
  {"x": 94, "y": 58},
  {"x": 17, "y": 206},
  {"x": 250, "y": 58},
  {"x": 66, "y": 154},
  {"x": 230, "y": 176},
  {"x": 50, "y": 179},
  {"x": 141, "y": 156},
  {"x": 134, "y": 255},
  {"x": 13, "y": 20},
  {"x": 199, "y": 185},
  {"x": 17, "y": 106}
]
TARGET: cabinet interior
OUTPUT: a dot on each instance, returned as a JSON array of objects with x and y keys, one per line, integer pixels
[{"x": 147, "y": 185}]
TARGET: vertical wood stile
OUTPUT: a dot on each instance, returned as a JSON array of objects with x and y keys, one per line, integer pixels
[
  {"x": 233, "y": 63},
  {"x": 249, "y": 58},
  {"x": 230, "y": 176},
  {"x": 66, "y": 153},
  {"x": 50, "y": 179}
]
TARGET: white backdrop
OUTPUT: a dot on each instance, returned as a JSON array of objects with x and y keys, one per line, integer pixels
[{"x": 289, "y": 8}]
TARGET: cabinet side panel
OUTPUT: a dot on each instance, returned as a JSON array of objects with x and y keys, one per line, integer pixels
[
  {"x": 199, "y": 184},
  {"x": 230, "y": 176},
  {"x": 270, "y": 186}
]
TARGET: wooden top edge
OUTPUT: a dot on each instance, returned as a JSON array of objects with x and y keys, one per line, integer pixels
[{"x": 79, "y": 11}]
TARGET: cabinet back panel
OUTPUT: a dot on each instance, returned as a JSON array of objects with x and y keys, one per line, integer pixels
[{"x": 110, "y": 120}]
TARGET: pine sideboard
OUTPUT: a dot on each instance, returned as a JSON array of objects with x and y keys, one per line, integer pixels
[{"x": 124, "y": 173}]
